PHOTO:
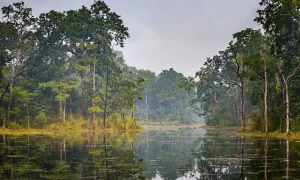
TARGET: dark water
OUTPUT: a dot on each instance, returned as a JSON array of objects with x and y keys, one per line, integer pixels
[{"x": 167, "y": 154}]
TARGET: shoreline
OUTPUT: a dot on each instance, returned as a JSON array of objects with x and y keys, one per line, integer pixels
[
  {"x": 173, "y": 127},
  {"x": 74, "y": 132},
  {"x": 61, "y": 132},
  {"x": 278, "y": 135}
]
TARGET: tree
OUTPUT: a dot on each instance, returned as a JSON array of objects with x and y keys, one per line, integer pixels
[
  {"x": 245, "y": 44},
  {"x": 149, "y": 78},
  {"x": 23, "y": 24},
  {"x": 281, "y": 20},
  {"x": 62, "y": 90}
]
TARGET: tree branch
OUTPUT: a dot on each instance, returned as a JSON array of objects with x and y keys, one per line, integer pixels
[
  {"x": 295, "y": 70},
  {"x": 11, "y": 80}
]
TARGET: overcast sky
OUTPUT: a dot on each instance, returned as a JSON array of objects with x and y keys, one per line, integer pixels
[{"x": 170, "y": 33}]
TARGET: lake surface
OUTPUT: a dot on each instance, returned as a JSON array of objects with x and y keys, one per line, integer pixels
[{"x": 185, "y": 153}]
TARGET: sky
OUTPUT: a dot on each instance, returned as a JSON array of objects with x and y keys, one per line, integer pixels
[{"x": 168, "y": 34}]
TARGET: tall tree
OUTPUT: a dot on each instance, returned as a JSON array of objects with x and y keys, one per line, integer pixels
[
  {"x": 245, "y": 44},
  {"x": 24, "y": 24},
  {"x": 281, "y": 20}
]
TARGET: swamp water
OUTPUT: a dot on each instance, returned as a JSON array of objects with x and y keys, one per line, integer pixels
[{"x": 153, "y": 154}]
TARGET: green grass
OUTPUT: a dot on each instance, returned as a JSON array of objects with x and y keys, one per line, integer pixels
[
  {"x": 275, "y": 134},
  {"x": 75, "y": 126}
]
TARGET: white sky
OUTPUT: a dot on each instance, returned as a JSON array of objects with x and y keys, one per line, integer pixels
[{"x": 170, "y": 33}]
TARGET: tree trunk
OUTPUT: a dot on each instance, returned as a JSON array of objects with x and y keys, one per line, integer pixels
[
  {"x": 9, "y": 103},
  {"x": 94, "y": 89},
  {"x": 287, "y": 106},
  {"x": 178, "y": 116},
  {"x": 61, "y": 110},
  {"x": 106, "y": 96},
  {"x": 132, "y": 110},
  {"x": 242, "y": 113},
  {"x": 266, "y": 95},
  {"x": 64, "y": 111},
  {"x": 282, "y": 100},
  {"x": 65, "y": 152},
  {"x": 146, "y": 107},
  {"x": 84, "y": 108}
]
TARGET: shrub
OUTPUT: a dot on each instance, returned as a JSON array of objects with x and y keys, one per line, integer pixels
[
  {"x": 41, "y": 118},
  {"x": 255, "y": 120},
  {"x": 15, "y": 126},
  {"x": 295, "y": 124},
  {"x": 116, "y": 122},
  {"x": 131, "y": 124}
]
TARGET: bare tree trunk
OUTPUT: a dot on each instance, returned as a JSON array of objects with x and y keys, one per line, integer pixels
[
  {"x": 287, "y": 106},
  {"x": 146, "y": 106},
  {"x": 64, "y": 111},
  {"x": 282, "y": 100},
  {"x": 266, "y": 95},
  {"x": 242, "y": 113},
  {"x": 84, "y": 113},
  {"x": 215, "y": 95},
  {"x": 106, "y": 96},
  {"x": 287, "y": 102},
  {"x": 94, "y": 88}
]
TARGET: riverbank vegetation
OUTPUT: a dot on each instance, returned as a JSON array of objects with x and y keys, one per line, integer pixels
[{"x": 254, "y": 82}]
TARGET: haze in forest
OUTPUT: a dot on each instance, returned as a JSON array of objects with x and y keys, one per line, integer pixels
[{"x": 170, "y": 33}]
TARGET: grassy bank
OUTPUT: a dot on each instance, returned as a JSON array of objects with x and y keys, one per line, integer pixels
[
  {"x": 276, "y": 134},
  {"x": 72, "y": 127}
]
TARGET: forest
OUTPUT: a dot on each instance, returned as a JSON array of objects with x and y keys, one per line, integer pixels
[
  {"x": 254, "y": 82},
  {"x": 64, "y": 67}
]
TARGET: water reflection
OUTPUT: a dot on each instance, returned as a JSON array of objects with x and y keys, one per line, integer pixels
[
  {"x": 94, "y": 157},
  {"x": 172, "y": 154}
]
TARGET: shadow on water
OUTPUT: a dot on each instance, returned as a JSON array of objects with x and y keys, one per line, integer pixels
[{"x": 171, "y": 154}]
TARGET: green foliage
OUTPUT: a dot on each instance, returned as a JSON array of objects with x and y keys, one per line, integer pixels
[
  {"x": 256, "y": 122},
  {"x": 14, "y": 126},
  {"x": 41, "y": 118},
  {"x": 131, "y": 124},
  {"x": 163, "y": 98},
  {"x": 61, "y": 88}
]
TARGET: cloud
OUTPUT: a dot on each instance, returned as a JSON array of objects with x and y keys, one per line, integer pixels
[{"x": 185, "y": 34}]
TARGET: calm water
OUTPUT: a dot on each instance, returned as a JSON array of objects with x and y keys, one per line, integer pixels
[{"x": 167, "y": 154}]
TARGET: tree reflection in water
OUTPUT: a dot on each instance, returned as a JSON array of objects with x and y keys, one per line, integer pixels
[{"x": 172, "y": 154}]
